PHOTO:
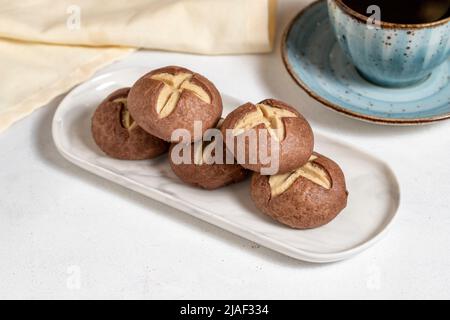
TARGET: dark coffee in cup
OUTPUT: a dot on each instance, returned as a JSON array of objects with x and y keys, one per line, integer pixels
[
  {"x": 404, "y": 11},
  {"x": 393, "y": 55}
]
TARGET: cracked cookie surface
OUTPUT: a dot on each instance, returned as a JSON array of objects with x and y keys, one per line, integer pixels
[
  {"x": 118, "y": 135},
  {"x": 202, "y": 171},
  {"x": 308, "y": 197},
  {"x": 172, "y": 98},
  {"x": 279, "y": 132}
]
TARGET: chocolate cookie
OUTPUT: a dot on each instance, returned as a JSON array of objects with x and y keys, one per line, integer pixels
[
  {"x": 202, "y": 170},
  {"x": 308, "y": 197},
  {"x": 269, "y": 124},
  {"x": 116, "y": 133},
  {"x": 173, "y": 98}
]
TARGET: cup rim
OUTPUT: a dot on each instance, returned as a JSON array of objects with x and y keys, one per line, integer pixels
[{"x": 390, "y": 25}]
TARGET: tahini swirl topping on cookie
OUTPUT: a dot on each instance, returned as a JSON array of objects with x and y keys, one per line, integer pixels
[
  {"x": 125, "y": 118},
  {"x": 311, "y": 171},
  {"x": 172, "y": 90},
  {"x": 271, "y": 117}
]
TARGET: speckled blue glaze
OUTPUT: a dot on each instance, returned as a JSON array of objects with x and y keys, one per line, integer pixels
[
  {"x": 318, "y": 64},
  {"x": 390, "y": 56}
]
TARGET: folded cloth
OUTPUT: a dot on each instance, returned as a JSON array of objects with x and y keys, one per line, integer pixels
[
  {"x": 47, "y": 46},
  {"x": 34, "y": 73},
  {"x": 198, "y": 26}
]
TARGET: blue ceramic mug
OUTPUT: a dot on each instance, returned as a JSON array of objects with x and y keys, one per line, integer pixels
[{"x": 389, "y": 54}]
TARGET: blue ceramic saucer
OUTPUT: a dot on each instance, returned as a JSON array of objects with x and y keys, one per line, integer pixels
[{"x": 314, "y": 59}]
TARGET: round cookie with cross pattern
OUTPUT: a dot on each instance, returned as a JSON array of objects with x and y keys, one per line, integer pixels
[
  {"x": 270, "y": 137},
  {"x": 307, "y": 197},
  {"x": 205, "y": 168},
  {"x": 173, "y": 98},
  {"x": 118, "y": 135}
]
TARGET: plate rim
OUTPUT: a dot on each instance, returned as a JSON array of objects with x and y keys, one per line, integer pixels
[
  {"x": 335, "y": 107},
  {"x": 152, "y": 193}
]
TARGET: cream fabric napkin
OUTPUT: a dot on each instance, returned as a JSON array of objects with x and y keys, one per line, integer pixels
[
  {"x": 47, "y": 46},
  {"x": 33, "y": 73}
]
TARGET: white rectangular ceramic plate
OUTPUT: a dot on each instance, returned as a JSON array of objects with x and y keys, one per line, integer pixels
[{"x": 373, "y": 201}]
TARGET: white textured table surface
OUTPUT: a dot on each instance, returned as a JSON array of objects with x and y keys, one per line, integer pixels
[{"x": 65, "y": 233}]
